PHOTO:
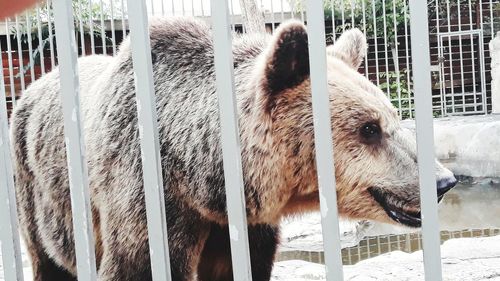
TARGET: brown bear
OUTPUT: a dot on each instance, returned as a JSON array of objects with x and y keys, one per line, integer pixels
[{"x": 375, "y": 166}]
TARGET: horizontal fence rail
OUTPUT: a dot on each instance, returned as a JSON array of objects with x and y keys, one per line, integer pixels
[{"x": 75, "y": 143}]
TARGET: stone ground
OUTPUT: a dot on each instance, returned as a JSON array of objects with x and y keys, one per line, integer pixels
[{"x": 470, "y": 259}]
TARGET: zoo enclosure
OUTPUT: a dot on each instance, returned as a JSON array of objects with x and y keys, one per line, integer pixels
[
  {"x": 386, "y": 63},
  {"x": 461, "y": 73}
]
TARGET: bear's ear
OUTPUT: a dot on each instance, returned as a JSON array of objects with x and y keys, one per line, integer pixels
[
  {"x": 286, "y": 61},
  {"x": 351, "y": 48}
]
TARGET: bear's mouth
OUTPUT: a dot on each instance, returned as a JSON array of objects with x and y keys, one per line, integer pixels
[{"x": 395, "y": 208}]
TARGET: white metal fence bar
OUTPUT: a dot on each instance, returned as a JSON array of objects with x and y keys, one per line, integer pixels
[
  {"x": 91, "y": 27},
  {"x": 450, "y": 58},
  {"x": 20, "y": 54},
  {"x": 80, "y": 22},
  {"x": 30, "y": 47},
  {"x": 40, "y": 39},
  {"x": 9, "y": 238},
  {"x": 11, "y": 67},
  {"x": 376, "y": 40},
  {"x": 51, "y": 35},
  {"x": 113, "y": 31},
  {"x": 460, "y": 46},
  {"x": 150, "y": 144},
  {"x": 323, "y": 140},
  {"x": 230, "y": 141},
  {"x": 103, "y": 32},
  {"x": 396, "y": 59},
  {"x": 425, "y": 138},
  {"x": 407, "y": 56},
  {"x": 75, "y": 144}
]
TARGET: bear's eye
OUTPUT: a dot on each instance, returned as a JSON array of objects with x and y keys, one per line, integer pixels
[{"x": 371, "y": 133}]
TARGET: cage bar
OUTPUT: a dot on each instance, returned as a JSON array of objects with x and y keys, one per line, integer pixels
[
  {"x": 425, "y": 139},
  {"x": 75, "y": 144},
  {"x": 231, "y": 152},
  {"x": 323, "y": 140},
  {"x": 149, "y": 138},
  {"x": 9, "y": 238}
]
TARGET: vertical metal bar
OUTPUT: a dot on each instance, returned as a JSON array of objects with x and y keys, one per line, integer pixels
[
  {"x": 323, "y": 140},
  {"x": 192, "y": 7},
  {"x": 150, "y": 144},
  {"x": 124, "y": 26},
  {"x": 462, "y": 82},
  {"x": 342, "y": 13},
  {"x": 40, "y": 39},
  {"x": 425, "y": 138},
  {"x": 386, "y": 53},
  {"x": 173, "y": 7},
  {"x": 183, "y": 8},
  {"x": 473, "y": 55},
  {"x": 91, "y": 27},
  {"x": 407, "y": 56},
  {"x": 302, "y": 18},
  {"x": 332, "y": 8},
  {"x": 282, "y": 12},
  {"x": 353, "y": 24},
  {"x": 396, "y": 59},
  {"x": 363, "y": 7},
  {"x": 51, "y": 35},
  {"x": 152, "y": 3},
  {"x": 80, "y": 23},
  {"x": 376, "y": 41},
  {"x": 452, "y": 82},
  {"x": 30, "y": 47},
  {"x": 231, "y": 152},
  {"x": 75, "y": 144},
  {"x": 273, "y": 19},
  {"x": 103, "y": 32},
  {"x": 9, "y": 237},
  {"x": 442, "y": 79},
  {"x": 11, "y": 67},
  {"x": 20, "y": 55},
  {"x": 113, "y": 33},
  {"x": 233, "y": 17},
  {"x": 202, "y": 8},
  {"x": 482, "y": 69},
  {"x": 163, "y": 7},
  {"x": 492, "y": 21}
]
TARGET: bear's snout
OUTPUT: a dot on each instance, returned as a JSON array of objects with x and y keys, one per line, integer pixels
[{"x": 444, "y": 185}]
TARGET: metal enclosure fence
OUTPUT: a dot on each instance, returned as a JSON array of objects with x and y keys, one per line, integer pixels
[
  {"x": 461, "y": 78},
  {"x": 58, "y": 22}
]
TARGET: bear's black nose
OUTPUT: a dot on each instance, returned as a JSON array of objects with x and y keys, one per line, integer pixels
[{"x": 445, "y": 184}]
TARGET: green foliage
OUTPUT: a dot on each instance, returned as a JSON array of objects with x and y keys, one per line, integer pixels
[
  {"x": 84, "y": 11},
  {"x": 367, "y": 14},
  {"x": 399, "y": 90},
  {"x": 88, "y": 13}
]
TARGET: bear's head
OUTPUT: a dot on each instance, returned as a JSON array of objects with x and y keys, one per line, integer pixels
[{"x": 375, "y": 157}]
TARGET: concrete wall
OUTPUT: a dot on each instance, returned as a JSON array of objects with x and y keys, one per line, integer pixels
[{"x": 495, "y": 73}]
